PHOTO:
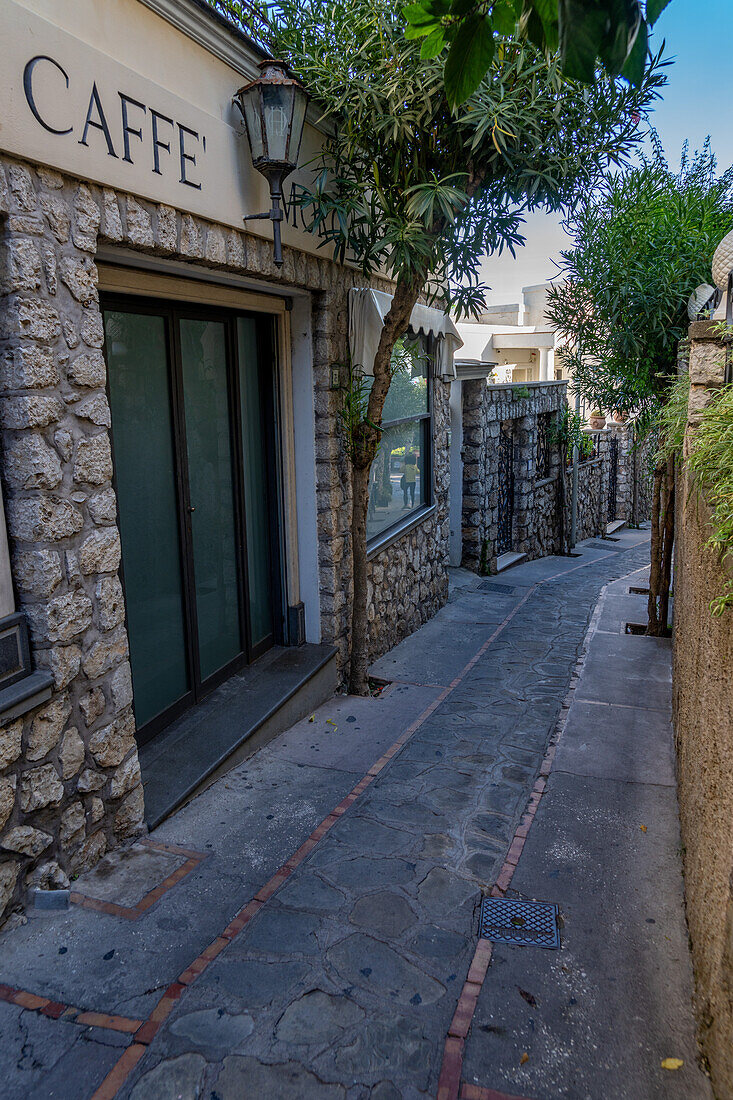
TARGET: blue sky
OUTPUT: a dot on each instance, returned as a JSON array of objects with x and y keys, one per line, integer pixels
[{"x": 697, "y": 101}]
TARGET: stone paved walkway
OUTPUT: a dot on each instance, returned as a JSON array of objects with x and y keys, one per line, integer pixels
[{"x": 341, "y": 977}]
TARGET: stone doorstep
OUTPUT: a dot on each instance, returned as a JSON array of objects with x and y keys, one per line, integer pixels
[
  {"x": 506, "y": 561},
  {"x": 245, "y": 712}
]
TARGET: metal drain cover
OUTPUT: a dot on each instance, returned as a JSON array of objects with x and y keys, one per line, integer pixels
[
  {"x": 495, "y": 586},
  {"x": 602, "y": 544},
  {"x": 523, "y": 923}
]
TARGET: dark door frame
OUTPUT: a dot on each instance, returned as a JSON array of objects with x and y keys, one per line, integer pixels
[{"x": 171, "y": 312}]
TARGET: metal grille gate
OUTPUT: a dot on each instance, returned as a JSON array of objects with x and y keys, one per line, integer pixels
[
  {"x": 612, "y": 478},
  {"x": 504, "y": 536}
]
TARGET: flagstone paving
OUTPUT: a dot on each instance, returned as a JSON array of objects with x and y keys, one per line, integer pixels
[{"x": 345, "y": 981}]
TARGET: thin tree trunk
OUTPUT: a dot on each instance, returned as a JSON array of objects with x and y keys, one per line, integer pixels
[
  {"x": 562, "y": 500},
  {"x": 660, "y": 576},
  {"x": 365, "y": 443},
  {"x": 668, "y": 543},
  {"x": 656, "y": 553}
]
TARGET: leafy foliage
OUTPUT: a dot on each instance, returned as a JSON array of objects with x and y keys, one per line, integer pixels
[
  {"x": 642, "y": 242},
  {"x": 567, "y": 433},
  {"x": 709, "y": 461},
  {"x": 612, "y": 33},
  {"x": 671, "y": 421},
  {"x": 406, "y": 186},
  {"x": 409, "y": 186}
]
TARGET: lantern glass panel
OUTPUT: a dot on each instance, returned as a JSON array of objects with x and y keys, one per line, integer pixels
[
  {"x": 299, "y": 106},
  {"x": 277, "y": 102},
  {"x": 253, "y": 118}
]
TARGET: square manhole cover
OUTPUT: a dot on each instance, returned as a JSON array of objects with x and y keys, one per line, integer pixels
[
  {"x": 495, "y": 586},
  {"x": 523, "y": 923}
]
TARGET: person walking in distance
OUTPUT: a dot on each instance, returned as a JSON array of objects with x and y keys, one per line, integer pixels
[{"x": 410, "y": 478}]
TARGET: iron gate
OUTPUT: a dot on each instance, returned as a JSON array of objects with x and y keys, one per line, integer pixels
[
  {"x": 504, "y": 537},
  {"x": 612, "y": 478}
]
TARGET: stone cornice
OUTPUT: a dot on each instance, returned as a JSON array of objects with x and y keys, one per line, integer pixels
[{"x": 204, "y": 25}]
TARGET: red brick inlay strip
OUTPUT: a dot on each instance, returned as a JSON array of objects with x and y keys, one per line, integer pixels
[
  {"x": 453, "y": 1055},
  {"x": 56, "y": 1010},
  {"x": 449, "y": 1083},
  {"x": 450, "y": 1074},
  {"x": 134, "y": 912},
  {"x": 149, "y": 1029}
]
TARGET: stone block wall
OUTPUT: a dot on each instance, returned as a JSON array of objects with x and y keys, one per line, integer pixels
[
  {"x": 703, "y": 720},
  {"x": 69, "y": 770},
  {"x": 536, "y": 525},
  {"x": 69, "y": 774},
  {"x": 635, "y": 476},
  {"x": 592, "y": 513}
]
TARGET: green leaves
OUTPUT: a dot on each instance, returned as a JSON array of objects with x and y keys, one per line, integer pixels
[
  {"x": 470, "y": 56},
  {"x": 433, "y": 44},
  {"x": 642, "y": 243},
  {"x": 654, "y": 9},
  {"x": 586, "y": 33},
  {"x": 635, "y": 63}
]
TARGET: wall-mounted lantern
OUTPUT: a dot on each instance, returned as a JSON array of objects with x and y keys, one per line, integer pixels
[{"x": 273, "y": 108}]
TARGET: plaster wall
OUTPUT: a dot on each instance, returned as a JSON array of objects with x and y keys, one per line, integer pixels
[{"x": 703, "y": 719}]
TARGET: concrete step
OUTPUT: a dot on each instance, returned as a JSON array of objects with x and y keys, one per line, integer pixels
[
  {"x": 506, "y": 561},
  {"x": 238, "y": 718},
  {"x": 615, "y": 525}
]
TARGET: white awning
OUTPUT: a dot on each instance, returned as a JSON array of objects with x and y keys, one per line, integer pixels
[{"x": 367, "y": 310}]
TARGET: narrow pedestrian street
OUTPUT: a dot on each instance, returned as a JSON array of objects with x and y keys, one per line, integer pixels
[{"x": 309, "y": 925}]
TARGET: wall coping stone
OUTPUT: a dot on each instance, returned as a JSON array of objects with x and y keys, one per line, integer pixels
[
  {"x": 390, "y": 537},
  {"x": 528, "y": 385}
]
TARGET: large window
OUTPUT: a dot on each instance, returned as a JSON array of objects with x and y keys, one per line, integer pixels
[{"x": 400, "y": 478}]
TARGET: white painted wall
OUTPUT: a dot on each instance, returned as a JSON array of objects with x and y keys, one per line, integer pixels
[
  {"x": 305, "y": 463},
  {"x": 455, "y": 494}
]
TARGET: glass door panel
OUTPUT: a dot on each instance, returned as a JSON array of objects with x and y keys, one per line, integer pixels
[
  {"x": 142, "y": 438},
  {"x": 211, "y": 490},
  {"x": 258, "y": 475}
]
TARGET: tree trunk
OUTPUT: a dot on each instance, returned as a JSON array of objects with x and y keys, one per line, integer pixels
[
  {"x": 660, "y": 575},
  {"x": 667, "y": 543},
  {"x": 365, "y": 443},
  {"x": 562, "y": 500}
]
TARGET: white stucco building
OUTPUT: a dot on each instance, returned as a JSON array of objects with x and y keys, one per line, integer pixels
[{"x": 516, "y": 339}]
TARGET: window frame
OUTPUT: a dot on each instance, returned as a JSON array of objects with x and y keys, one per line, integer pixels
[{"x": 383, "y": 538}]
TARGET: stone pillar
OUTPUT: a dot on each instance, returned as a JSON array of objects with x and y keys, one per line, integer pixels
[{"x": 544, "y": 364}]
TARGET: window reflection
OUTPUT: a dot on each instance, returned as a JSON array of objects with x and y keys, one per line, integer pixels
[{"x": 399, "y": 480}]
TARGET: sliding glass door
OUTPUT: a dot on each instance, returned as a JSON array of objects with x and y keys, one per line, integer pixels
[{"x": 193, "y": 435}]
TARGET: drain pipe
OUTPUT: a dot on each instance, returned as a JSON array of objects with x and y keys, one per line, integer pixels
[{"x": 574, "y": 485}]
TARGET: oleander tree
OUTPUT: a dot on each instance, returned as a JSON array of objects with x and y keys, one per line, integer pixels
[
  {"x": 585, "y": 34},
  {"x": 409, "y": 187},
  {"x": 642, "y": 242}
]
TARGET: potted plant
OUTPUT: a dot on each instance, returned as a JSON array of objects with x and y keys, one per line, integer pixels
[
  {"x": 620, "y": 416},
  {"x": 597, "y": 419}
]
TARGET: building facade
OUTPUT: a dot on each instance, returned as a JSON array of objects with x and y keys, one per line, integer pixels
[{"x": 177, "y": 560}]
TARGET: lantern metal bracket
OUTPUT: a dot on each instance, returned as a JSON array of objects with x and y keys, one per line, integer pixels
[{"x": 276, "y": 215}]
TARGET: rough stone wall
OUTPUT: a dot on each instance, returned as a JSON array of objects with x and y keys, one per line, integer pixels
[
  {"x": 703, "y": 718},
  {"x": 69, "y": 774},
  {"x": 634, "y": 481},
  {"x": 592, "y": 492},
  {"x": 408, "y": 580},
  {"x": 535, "y": 527},
  {"x": 546, "y": 515}
]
